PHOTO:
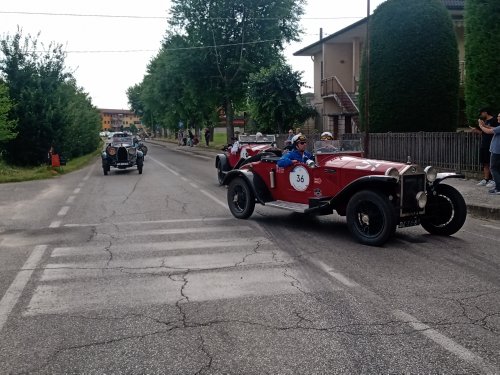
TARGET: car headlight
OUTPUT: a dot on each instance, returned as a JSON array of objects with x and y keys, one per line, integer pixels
[
  {"x": 111, "y": 151},
  {"x": 430, "y": 173},
  {"x": 421, "y": 199},
  {"x": 132, "y": 151},
  {"x": 393, "y": 172}
]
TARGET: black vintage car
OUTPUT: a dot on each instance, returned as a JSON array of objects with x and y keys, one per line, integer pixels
[{"x": 122, "y": 153}]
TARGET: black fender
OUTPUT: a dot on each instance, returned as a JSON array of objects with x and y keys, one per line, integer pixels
[
  {"x": 222, "y": 158},
  {"x": 385, "y": 184},
  {"x": 254, "y": 181},
  {"x": 444, "y": 175}
]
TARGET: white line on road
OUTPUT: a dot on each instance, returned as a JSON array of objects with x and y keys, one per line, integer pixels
[
  {"x": 55, "y": 224},
  {"x": 491, "y": 226},
  {"x": 164, "y": 166},
  {"x": 447, "y": 343},
  {"x": 63, "y": 211},
  {"x": 15, "y": 290},
  {"x": 170, "y": 221},
  {"x": 76, "y": 191},
  {"x": 194, "y": 185},
  {"x": 215, "y": 199},
  {"x": 336, "y": 275}
]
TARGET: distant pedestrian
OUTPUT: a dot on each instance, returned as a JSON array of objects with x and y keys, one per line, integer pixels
[
  {"x": 191, "y": 137},
  {"x": 207, "y": 136},
  {"x": 495, "y": 153},
  {"x": 486, "y": 119},
  {"x": 180, "y": 137}
]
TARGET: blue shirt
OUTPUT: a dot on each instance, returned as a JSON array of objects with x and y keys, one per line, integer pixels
[
  {"x": 287, "y": 159},
  {"x": 495, "y": 142}
]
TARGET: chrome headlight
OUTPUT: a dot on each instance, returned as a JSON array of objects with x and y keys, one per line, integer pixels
[
  {"x": 393, "y": 172},
  {"x": 111, "y": 151},
  {"x": 421, "y": 199},
  {"x": 132, "y": 151},
  {"x": 430, "y": 173}
]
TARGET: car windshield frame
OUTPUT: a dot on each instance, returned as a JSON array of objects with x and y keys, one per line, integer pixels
[
  {"x": 337, "y": 146},
  {"x": 266, "y": 138}
]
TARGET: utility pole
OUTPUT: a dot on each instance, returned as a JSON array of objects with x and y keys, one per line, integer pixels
[{"x": 367, "y": 86}]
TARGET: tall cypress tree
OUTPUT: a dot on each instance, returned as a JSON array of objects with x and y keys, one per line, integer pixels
[
  {"x": 414, "y": 73},
  {"x": 482, "y": 56}
]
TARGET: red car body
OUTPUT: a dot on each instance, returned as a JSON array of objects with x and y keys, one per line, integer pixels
[
  {"x": 376, "y": 196},
  {"x": 249, "y": 146}
]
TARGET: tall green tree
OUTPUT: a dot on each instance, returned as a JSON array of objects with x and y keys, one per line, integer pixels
[
  {"x": 7, "y": 125},
  {"x": 274, "y": 97},
  {"x": 46, "y": 100},
  {"x": 413, "y": 80},
  {"x": 482, "y": 59},
  {"x": 234, "y": 38}
]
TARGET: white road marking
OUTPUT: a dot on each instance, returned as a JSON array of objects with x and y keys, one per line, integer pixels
[
  {"x": 336, "y": 275},
  {"x": 70, "y": 199},
  {"x": 194, "y": 185},
  {"x": 63, "y": 211},
  {"x": 186, "y": 230},
  {"x": 491, "y": 226},
  {"x": 76, "y": 191},
  {"x": 184, "y": 179},
  {"x": 447, "y": 343},
  {"x": 128, "y": 223},
  {"x": 15, "y": 290},
  {"x": 165, "y": 246},
  {"x": 215, "y": 199},
  {"x": 164, "y": 166},
  {"x": 55, "y": 224}
]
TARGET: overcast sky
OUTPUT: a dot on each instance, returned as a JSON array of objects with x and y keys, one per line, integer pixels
[{"x": 109, "y": 54}]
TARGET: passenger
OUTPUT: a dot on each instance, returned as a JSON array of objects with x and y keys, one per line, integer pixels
[
  {"x": 326, "y": 136},
  {"x": 298, "y": 154},
  {"x": 236, "y": 145}
]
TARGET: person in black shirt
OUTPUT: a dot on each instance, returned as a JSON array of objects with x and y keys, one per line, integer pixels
[{"x": 484, "y": 149}]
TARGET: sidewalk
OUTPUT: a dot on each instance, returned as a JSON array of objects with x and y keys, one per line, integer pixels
[{"x": 479, "y": 203}]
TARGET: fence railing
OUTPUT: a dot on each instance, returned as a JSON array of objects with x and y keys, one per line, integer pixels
[{"x": 447, "y": 151}]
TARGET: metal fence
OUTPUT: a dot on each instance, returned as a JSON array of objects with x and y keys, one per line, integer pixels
[{"x": 457, "y": 151}]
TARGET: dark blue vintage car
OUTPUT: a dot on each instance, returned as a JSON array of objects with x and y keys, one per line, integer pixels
[{"x": 122, "y": 152}]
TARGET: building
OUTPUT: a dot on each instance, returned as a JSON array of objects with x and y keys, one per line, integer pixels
[
  {"x": 119, "y": 119},
  {"x": 337, "y": 66}
]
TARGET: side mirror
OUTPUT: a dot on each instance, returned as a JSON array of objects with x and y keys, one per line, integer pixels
[{"x": 310, "y": 163}]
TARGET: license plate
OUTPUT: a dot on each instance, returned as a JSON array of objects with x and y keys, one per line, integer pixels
[
  {"x": 409, "y": 222},
  {"x": 121, "y": 163}
]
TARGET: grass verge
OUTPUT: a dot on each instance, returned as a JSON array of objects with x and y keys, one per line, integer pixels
[{"x": 10, "y": 173}]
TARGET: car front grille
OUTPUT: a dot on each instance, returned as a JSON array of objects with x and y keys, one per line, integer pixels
[
  {"x": 122, "y": 154},
  {"x": 411, "y": 185}
]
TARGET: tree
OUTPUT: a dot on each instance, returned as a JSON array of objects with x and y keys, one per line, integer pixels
[
  {"x": 413, "y": 69},
  {"x": 47, "y": 102},
  {"x": 7, "y": 126},
  {"x": 482, "y": 60},
  {"x": 274, "y": 97},
  {"x": 232, "y": 39}
]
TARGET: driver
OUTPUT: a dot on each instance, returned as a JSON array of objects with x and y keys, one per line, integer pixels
[{"x": 298, "y": 154}]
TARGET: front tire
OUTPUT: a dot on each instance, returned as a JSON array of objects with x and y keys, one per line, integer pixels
[
  {"x": 240, "y": 198},
  {"x": 220, "y": 173},
  {"x": 445, "y": 212},
  {"x": 370, "y": 218}
]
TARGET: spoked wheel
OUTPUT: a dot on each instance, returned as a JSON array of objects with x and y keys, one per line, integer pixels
[
  {"x": 445, "y": 211},
  {"x": 371, "y": 218},
  {"x": 240, "y": 198}
]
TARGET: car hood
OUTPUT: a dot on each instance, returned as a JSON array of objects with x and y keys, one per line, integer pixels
[{"x": 361, "y": 164}]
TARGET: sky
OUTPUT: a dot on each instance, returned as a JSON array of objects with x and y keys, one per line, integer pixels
[{"x": 109, "y": 43}]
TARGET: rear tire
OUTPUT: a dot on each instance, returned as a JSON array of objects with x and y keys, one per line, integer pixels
[
  {"x": 445, "y": 212},
  {"x": 220, "y": 173},
  {"x": 370, "y": 218},
  {"x": 240, "y": 198}
]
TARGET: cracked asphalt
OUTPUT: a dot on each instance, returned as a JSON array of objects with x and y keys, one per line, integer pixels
[{"x": 150, "y": 274}]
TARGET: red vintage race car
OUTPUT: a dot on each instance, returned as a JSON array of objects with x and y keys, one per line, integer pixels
[
  {"x": 249, "y": 148},
  {"x": 376, "y": 196}
]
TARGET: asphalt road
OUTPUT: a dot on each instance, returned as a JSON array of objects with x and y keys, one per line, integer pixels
[{"x": 150, "y": 273}]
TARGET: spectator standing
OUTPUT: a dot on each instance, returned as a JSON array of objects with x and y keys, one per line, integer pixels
[
  {"x": 488, "y": 121},
  {"x": 495, "y": 153},
  {"x": 191, "y": 138},
  {"x": 207, "y": 136}
]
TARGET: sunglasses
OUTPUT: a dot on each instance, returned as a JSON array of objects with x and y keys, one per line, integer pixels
[{"x": 302, "y": 143}]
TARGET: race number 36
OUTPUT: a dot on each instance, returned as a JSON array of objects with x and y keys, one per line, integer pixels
[{"x": 299, "y": 178}]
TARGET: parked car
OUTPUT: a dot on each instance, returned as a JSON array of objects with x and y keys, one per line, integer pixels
[
  {"x": 122, "y": 153},
  {"x": 376, "y": 196},
  {"x": 251, "y": 148}
]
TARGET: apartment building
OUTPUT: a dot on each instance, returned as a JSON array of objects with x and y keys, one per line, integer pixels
[{"x": 337, "y": 66}]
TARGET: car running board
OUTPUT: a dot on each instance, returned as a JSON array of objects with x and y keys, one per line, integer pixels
[{"x": 290, "y": 206}]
